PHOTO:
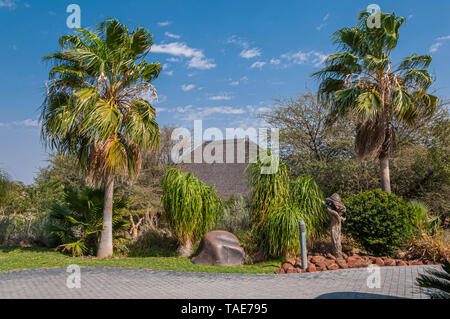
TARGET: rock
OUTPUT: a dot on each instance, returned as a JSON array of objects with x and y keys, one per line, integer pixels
[
  {"x": 291, "y": 271},
  {"x": 219, "y": 248},
  {"x": 291, "y": 261},
  {"x": 279, "y": 271},
  {"x": 287, "y": 266},
  {"x": 341, "y": 263},
  {"x": 354, "y": 263},
  {"x": 401, "y": 263},
  {"x": 321, "y": 266},
  {"x": 332, "y": 267},
  {"x": 345, "y": 256},
  {"x": 379, "y": 262},
  {"x": 428, "y": 262},
  {"x": 415, "y": 262},
  {"x": 317, "y": 259},
  {"x": 311, "y": 268},
  {"x": 330, "y": 256},
  {"x": 389, "y": 261},
  {"x": 329, "y": 262}
]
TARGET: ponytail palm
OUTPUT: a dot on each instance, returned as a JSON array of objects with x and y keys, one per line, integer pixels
[
  {"x": 362, "y": 83},
  {"x": 95, "y": 106}
]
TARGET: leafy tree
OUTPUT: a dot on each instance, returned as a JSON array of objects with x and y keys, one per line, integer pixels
[
  {"x": 77, "y": 224},
  {"x": 361, "y": 82},
  {"x": 95, "y": 106}
]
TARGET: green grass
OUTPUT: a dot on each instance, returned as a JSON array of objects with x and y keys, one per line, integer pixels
[{"x": 15, "y": 258}]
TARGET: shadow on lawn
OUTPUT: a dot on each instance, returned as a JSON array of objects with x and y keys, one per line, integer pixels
[{"x": 13, "y": 249}]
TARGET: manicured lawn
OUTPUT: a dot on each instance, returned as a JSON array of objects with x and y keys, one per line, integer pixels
[{"x": 14, "y": 258}]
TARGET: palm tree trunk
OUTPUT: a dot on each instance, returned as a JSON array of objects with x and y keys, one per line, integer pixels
[
  {"x": 105, "y": 248},
  {"x": 385, "y": 175}
]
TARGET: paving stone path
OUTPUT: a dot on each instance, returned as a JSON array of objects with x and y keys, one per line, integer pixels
[{"x": 108, "y": 282}]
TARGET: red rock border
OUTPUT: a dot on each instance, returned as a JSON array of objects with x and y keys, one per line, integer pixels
[{"x": 329, "y": 262}]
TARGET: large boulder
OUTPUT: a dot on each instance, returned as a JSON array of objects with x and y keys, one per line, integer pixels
[{"x": 219, "y": 248}]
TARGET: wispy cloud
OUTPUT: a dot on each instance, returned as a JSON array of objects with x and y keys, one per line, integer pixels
[
  {"x": 196, "y": 57},
  {"x": 440, "y": 42},
  {"x": 435, "y": 47},
  {"x": 221, "y": 97},
  {"x": 171, "y": 35},
  {"x": 447, "y": 37},
  {"x": 323, "y": 24},
  {"x": 312, "y": 57},
  {"x": 169, "y": 72},
  {"x": 164, "y": 23},
  {"x": 250, "y": 53},
  {"x": 275, "y": 61},
  {"x": 10, "y": 4},
  {"x": 247, "y": 52},
  {"x": 257, "y": 64},
  {"x": 25, "y": 123},
  {"x": 187, "y": 87}
]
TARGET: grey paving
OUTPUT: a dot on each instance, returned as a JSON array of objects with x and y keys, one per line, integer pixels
[{"x": 105, "y": 282}]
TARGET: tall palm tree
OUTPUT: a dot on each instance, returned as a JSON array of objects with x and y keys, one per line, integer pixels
[
  {"x": 362, "y": 83},
  {"x": 96, "y": 106}
]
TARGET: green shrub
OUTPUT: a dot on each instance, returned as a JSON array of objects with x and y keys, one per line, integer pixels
[
  {"x": 379, "y": 221},
  {"x": 236, "y": 215},
  {"x": 77, "y": 224},
  {"x": 191, "y": 207}
]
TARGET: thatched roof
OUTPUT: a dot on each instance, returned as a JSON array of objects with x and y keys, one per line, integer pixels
[{"x": 229, "y": 179}]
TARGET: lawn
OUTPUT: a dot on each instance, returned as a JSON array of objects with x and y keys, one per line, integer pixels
[{"x": 15, "y": 258}]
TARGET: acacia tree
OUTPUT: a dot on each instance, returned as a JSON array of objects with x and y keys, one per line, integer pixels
[
  {"x": 96, "y": 108},
  {"x": 361, "y": 82}
]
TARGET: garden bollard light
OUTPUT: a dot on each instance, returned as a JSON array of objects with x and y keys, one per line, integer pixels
[{"x": 303, "y": 253}]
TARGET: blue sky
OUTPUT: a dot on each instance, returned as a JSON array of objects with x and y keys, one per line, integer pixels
[{"x": 224, "y": 61}]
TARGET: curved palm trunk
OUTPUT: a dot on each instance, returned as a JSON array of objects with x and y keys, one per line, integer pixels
[
  {"x": 385, "y": 175},
  {"x": 105, "y": 248}
]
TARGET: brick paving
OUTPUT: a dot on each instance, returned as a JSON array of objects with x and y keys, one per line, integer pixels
[{"x": 109, "y": 282}]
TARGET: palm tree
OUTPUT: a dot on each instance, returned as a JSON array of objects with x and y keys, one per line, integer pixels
[
  {"x": 361, "y": 82},
  {"x": 439, "y": 280},
  {"x": 96, "y": 108}
]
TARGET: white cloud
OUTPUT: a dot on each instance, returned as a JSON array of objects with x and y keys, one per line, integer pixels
[
  {"x": 10, "y": 4},
  {"x": 275, "y": 61},
  {"x": 169, "y": 72},
  {"x": 258, "y": 64},
  {"x": 234, "y": 83},
  {"x": 222, "y": 97},
  {"x": 187, "y": 87},
  {"x": 26, "y": 123},
  {"x": 263, "y": 109},
  {"x": 300, "y": 57},
  {"x": 173, "y": 60},
  {"x": 171, "y": 35},
  {"x": 250, "y": 53},
  {"x": 435, "y": 47},
  {"x": 164, "y": 23},
  {"x": 196, "y": 57},
  {"x": 181, "y": 109},
  {"x": 447, "y": 37},
  {"x": 323, "y": 24},
  {"x": 234, "y": 39}
]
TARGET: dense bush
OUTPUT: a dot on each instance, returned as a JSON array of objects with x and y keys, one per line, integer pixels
[
  {"x": 379, "y": 221},
  {"x": 236, "y": 215},
  {"x": 77, "y": 224}
]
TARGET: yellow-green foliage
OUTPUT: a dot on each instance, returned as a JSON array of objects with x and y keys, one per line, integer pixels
[
  {"x": 191, "y": 207},
  {"x": 267, "y": 190},
  {"x": 307, "y": 196},
  {"x": 279, "y": 204}
]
